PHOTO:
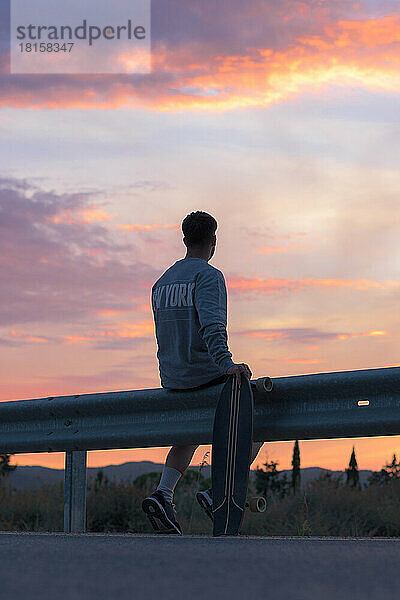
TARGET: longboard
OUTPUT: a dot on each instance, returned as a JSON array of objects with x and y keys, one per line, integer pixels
[{"x": 231, "y": 453}]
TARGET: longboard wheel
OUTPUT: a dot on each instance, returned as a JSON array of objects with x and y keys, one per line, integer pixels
[
  {"x": 264, "y": 384},
  {"x": 258, "y": 504}
]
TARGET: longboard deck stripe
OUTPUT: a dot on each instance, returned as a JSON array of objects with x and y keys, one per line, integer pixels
[{"x": 230, "y": 444}]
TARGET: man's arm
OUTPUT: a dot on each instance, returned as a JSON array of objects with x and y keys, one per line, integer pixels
[{"x": 210, "y": 301}]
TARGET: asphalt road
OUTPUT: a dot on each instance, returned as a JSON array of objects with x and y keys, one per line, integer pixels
[{"x": 94, "y": 566}]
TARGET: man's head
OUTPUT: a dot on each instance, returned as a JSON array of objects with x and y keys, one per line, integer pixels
[{"x": 199, "y": 234}]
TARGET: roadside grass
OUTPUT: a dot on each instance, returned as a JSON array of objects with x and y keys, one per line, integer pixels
[{"x": 323, "y": 507}]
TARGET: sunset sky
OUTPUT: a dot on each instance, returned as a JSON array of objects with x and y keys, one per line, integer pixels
[{"x": 281, "y": 119}]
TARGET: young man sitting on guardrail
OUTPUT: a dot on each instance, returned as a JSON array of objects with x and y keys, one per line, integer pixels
[{"x": 189, "y": 303}]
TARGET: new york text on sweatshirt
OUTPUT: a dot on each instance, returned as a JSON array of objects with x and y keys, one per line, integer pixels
[{"x": 189, "y": 303}]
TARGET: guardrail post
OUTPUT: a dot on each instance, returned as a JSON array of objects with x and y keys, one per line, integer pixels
[{"x": 75, "y": 491}]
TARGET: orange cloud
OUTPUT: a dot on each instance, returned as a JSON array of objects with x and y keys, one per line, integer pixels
[
  {"x": 119, "y": 331},
  {"x": 142, "y": 329},
  {"x": 27, "y": 338},
  {"x": 107, "y": 312},
  {"x": 303, "y": 361},
  {"x": 271, "y": 249},
  {"x": 134, "y": 62},
  {"x": 347, "y": 53},
  {"x": 88, "y": 215},
  {"x": 136, "y": 227},
  {"x": 75, "y": 339},
  {"x": 145, "y": 308},
  {"x": 268, "y": 286},
  {"x": 368, "y": 34},
  {"x": 129, "y": 330}
]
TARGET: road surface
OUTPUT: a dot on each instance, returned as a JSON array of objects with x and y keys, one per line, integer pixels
[{"x": 58, "y": 566}]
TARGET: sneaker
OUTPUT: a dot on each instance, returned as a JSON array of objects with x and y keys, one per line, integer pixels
[
  {"x": 205, "y": 501},
  {"x": 161, "y": 513}
]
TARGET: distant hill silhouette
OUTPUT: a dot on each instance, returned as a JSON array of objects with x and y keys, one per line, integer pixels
[{"x": 25, "y": 476}]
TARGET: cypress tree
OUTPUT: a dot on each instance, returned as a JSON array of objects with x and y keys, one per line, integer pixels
[
  {"x": 352, "y": 474},
  {"x": 296, "y": 467}
]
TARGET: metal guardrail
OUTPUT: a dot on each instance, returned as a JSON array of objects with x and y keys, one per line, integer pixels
[{"x": 349, "y": 404}]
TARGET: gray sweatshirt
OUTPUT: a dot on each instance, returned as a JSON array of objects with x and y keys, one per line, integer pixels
[{"x": 189, "y": 303}]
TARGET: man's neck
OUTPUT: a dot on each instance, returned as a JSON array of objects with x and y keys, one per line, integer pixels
[{"x": 195, "y": 256}]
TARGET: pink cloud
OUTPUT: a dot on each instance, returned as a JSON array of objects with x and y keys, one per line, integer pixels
[
  {"x": 58, "y": 269},
  {"x": 302, "y": 334}
]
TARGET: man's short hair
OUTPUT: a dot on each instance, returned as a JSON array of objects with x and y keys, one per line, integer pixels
[{"x": 199, "y": 228}]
